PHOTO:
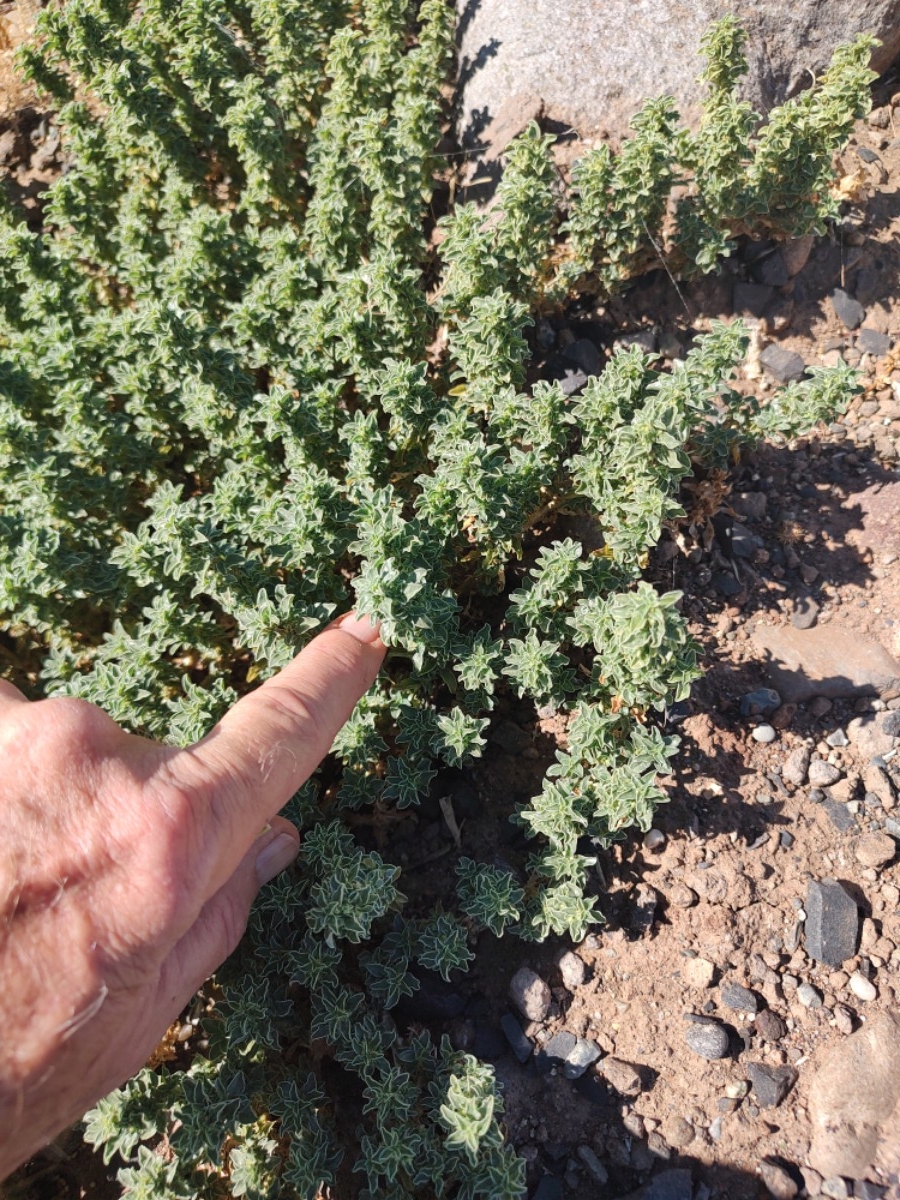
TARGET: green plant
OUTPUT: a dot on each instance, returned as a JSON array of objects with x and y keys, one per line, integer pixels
[{"x": 234, "y": 401}]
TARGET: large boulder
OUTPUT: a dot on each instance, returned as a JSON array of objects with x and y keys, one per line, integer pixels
[{"x": 589, "y": 64}]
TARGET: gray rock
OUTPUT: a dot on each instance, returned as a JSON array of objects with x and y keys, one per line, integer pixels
[
  {"x": 760, "y": 703},
  {"x": 585, "y": 355},
  {"x": 777, "y": 1181},
  {"x": 521, "y": 1045},
  {"x": 836, "y": 1188},
  {"x": 749, "y": 505},
  {"x": 839, "y": 814},
  {"x": 832, "y": 922},
  {"x": 864, "y": 1190},
  {"x": 806, "y": 614},
  {"x": 786, "y": 366},
  {"x": 674, "y": 1184},
  {"x": 771, "y": 268},
  {"x": 854, "y": 1091},
  {"x": 709, "y": 1039},
  {"x": 825, "y": 661},
  {"x": 582, "y": 1055},
  {"x": 592, "y": 67},
  {"x": 751, "y": 299},
  {"x": 796, "y": 766},
  {"x": 530, "y": 994},
  {"x": 822, "y": 773},
  {"x": 890, "y": 723},
  {"x": 592, "y": 1164},
  {"x": 744, "y": 544},
  {"x": 870, "y": 341},
  {"x": 770, "y": 1084},
  {"x": 555, "y": 1051},
  {"x": 848, "y": 311},
  {"x": 809, "y": 996},
  {"x": 572, "y": 970},
  {"x": 739, "y": 998},
  {"x": 548, "y": 1188}
]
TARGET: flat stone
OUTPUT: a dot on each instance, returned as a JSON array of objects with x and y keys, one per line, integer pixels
[
  {"x": 839, "y": 814},
  {"x": 825, "y": 661},
  {"x": 871, "y": 341},
  {"x": 737, "y": 997},
  {"x": 521, "y": 1045},
  {"x": 796, "y": 253},
  {"x": 785, "y": 366},
  {"x": 876, "y": 850},
  {"x": 873, "y": 513},
  {"x": 530, "y": 994},
  {"x": 832, "y": 922},
  {"x": 770, "y": 1084},
  {"x": 853, "y": 1093}
]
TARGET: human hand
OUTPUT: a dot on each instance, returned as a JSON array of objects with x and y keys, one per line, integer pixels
[{"x": 127, "y": 871}]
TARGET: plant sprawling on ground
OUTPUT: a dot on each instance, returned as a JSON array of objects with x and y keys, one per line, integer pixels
[{"x": 231, "y": 407}]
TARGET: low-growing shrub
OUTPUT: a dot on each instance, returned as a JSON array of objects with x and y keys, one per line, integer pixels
[{"x": 241, "y": 390}]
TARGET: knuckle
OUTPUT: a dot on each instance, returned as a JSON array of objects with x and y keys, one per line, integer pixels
[{"x": 72, "y": 720}]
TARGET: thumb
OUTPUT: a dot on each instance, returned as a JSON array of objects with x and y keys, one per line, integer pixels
[{"x": 223, "y": 919}]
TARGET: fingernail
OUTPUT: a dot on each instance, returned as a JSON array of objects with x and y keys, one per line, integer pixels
[
  {"x": 274, "y": 857},
  {"x": 362, "y": 628}
]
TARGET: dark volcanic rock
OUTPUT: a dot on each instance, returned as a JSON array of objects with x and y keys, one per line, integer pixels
[
  {"x": 770, "y": 1084},
  {"x": 785, "y": 366},
  {"x": 847, "y": 310},
  {"x": 519, "y": 1043},
  {"x": 832, "y": 922}
]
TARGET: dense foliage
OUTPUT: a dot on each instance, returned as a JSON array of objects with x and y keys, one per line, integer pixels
[{"x": 234, "y": 402}]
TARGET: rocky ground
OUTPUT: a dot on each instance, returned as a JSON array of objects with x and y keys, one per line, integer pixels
[{"x": 734, "y": 1029}]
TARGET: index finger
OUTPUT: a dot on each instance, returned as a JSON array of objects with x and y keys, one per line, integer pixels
[{"x": 251, "y": 763}]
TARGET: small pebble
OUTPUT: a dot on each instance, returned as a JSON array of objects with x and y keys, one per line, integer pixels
[
  {"x": 709, "y": 1040},
  {"x": 654, "y": 839},
  {"x": 861, "y": 987},
  {"x": 808, "y": 996},
  {"x": 764, "y": 734},
  {"x": 837, "y": 739}
]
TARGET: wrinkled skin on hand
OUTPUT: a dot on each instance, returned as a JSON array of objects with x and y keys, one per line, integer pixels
[{"x": 127, "y": 870}]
